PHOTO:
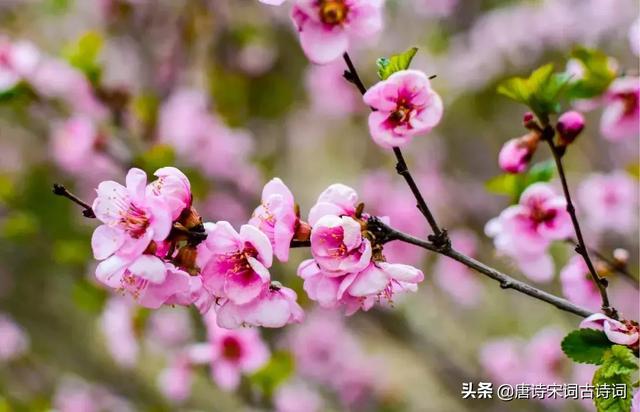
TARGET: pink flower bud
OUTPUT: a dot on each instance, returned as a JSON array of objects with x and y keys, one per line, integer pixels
[
  {"x": 529, "y": 121},
  {"x": 516, "y": 153},
  {"x": 570, "y": 124}
]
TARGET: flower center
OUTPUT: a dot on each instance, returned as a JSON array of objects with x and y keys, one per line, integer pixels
[
  {"x": 402, "y": 112},
  {"x": 135, "y": 221},
  {"x": 239, "y": 261},
  {"x": 630, "y": 101},
  {"x": 231, "y": 348},
  {"x": 539, "y": 215},
  {"x": 333, "y": 12}
]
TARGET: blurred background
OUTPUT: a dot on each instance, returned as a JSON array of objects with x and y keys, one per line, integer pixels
[{"x": 221, "y": 89}]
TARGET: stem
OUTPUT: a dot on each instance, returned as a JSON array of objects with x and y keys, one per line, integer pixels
[
  {"x": 60, "y": 190},
  {"x": 386, "y": 233},
  {"x": 440, "y": 237},
  {"x": 581, "y": 247},
  {"x": 613, "y": 265}
]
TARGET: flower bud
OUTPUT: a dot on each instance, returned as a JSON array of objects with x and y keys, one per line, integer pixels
[
  {"x": 516, "y": 153},
  {"x": 569, "y": 126},
  {"x": 529, "y": 121}
]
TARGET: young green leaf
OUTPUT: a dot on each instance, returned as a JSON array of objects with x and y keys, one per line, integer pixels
[
  {"x": 83, "y": 54},
  {"x": 541, "y": 91},
  {"x": 513, "y": 185},
  {"x": 597, "y": 75},
  {"x": 586, "y": 346},
  {"x": 395, "y": 63},
  {"x": 617, "y": 368}
]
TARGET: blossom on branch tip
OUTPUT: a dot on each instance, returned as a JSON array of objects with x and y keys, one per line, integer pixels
[
  {"x": 404, "y": 106},
  {"x": 276, "y": 217},
  {"x": 516, "y": 153},
  {"x": 328, "y": 27},
  {"x": 238, "y": 267},
  {"x": 622, "y": 333},
  {"x": 173, "y": 187},
  {"x": 570, "y": 125},
  {"x": 338, "y": 247}
]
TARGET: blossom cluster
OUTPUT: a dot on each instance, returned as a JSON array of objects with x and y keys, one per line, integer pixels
[{"x": 153, "y": 245}]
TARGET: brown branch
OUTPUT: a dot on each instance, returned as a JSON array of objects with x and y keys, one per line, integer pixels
[
  {"x": 439, "y": 236},
  {"x": 60, "y": 190},
  {"x": 385, "y": 233},
  {"x": 581, "y": 248},
  {"x": 612, "y": 264}
]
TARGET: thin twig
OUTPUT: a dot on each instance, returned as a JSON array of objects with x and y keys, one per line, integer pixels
[
  {"x": 440, "y": 236},
  {"x": 386, "y": 233},
  {"x": 60, "y": 190},
  {"x": 613, "y": 265},
  {"x": 581, "y": 248}
]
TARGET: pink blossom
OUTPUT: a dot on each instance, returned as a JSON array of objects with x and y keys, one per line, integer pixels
[
  {"x": 570, "y": 125},
  {"x": 275, "y": 307},
  {"x": 404, "y": 106},
  {"x": 455, "y": 278},
  {"x": 321, "y": 345},
  {"x": 609, "y": 202},
  {"x": 330, "y": 94},
  {"x": 516, "y": 153},
  {"x": 76, "y": 395},
  {"x": 201, "y": 139},
  {"x": 54, "y": 78},
  {"x": 501, "y": 360},
  {"x": 337, "y": 199},
  {"x": 327, "y": 352},
  {"x": 381, "y": 279},
  {"x": 325, "y": 290},
  {"x": 17, "y": 60},
  {"x": 173, "y": 187},
  {"x": 338, "y": 246},
  {"x": 635, "y": 401},
  {"x": 577, "y": 284},
  {"x": 169, "y": 327},
  {"x": 234, "y": 352},
  {"x": 116, "y": 324},
  {"x": 622, "y": 333},
  {"x": 513, "y": 361},
  {"x": 13, "y": 340},
  {"x": 295, "y": 397},
  {"x": 621, "y": 116},
  {"x": 544, "y": 357},
  {"x": 74, "y": 143},
  {"x": 276, "y": 217},
  {"x": 238, "y": 267},
  {"x": 175, "y": 380},
  {"x": 525, "y": 231},
  {"x": 132, "y": 219},
  {"x": 327, "y": 28}
]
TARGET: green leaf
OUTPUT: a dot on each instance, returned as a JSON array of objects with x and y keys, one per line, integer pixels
[
  {"x": 586, "y": 346},
  {"x": 619, "y": 361},
  {"x": 395, "y": 63},
  {"x": 83, "y": 54},
  {"x": 513, "y": 185},
  {"x": 597, "y": 74},
  {"x": 276, "y": 371},
  {"x": 541, "y": 172},
  {"x": 618, "y": 365},
  {"x": 541, "y": 91}
]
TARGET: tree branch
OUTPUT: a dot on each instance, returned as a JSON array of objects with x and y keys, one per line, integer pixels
[
  {"x": 385, "y": 233},
  {"x": 439, "y": 237},
  {"x": 548, "y": 134},
  {"x": 60, "y": 190}
]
